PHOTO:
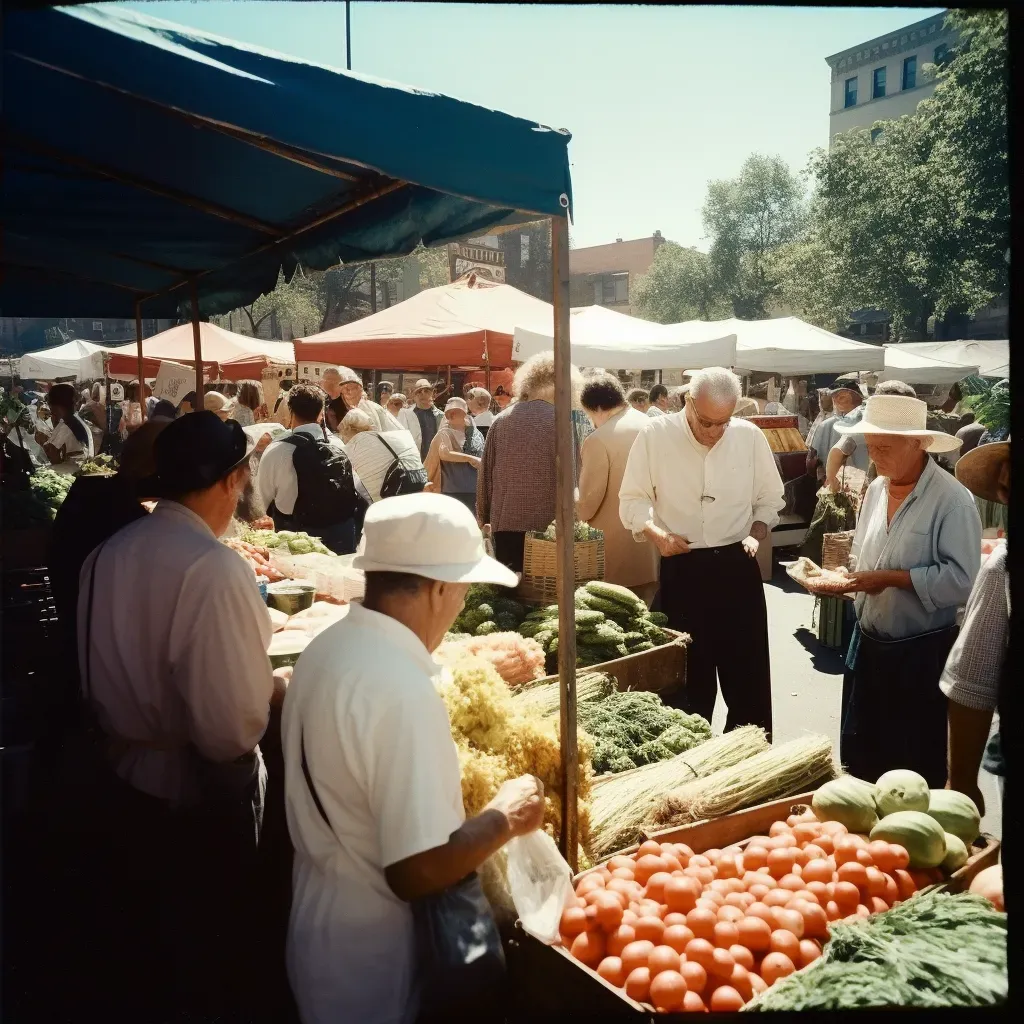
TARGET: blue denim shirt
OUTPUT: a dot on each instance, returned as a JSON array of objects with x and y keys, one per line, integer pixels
[{"x": 936, "y": 534}]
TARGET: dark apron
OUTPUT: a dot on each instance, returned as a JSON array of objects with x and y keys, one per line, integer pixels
[{"x": 895, "y": 714}]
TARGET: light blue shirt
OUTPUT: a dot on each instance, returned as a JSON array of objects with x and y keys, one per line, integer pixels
[
  {"x": 827, "y": 437},
  {"x": 936, "y": 534}
]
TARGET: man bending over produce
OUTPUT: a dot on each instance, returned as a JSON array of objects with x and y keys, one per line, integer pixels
[
  {"x": 703, "y": 487},
  {"x": 172, "y": 647},
  {"x": 372, "y": 779}
]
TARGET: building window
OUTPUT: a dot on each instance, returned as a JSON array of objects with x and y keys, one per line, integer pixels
[
  {"x": 941, "y": 54},
  {"x": 878, "y": 83},
  {"x": 910, "y": 73},
  {"x": 850, "y": 93},
  {"x": 612, "y": 289}
]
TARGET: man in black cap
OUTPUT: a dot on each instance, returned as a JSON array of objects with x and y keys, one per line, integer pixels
[{"x": 173, "y": 636}]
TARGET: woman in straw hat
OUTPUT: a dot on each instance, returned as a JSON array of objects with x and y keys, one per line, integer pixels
[
  {"x": 977, "y": 666},
  {"x": 916, "y": 554}
]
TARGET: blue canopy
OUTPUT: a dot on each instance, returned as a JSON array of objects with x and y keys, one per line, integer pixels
[{"x": 140, "y": 155}]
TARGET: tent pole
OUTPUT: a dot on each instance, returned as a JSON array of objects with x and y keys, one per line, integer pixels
[
  {"x": 565, "y": 514},
  {"x": 138, "y": 343},
  {"x": 197, "y": 343}
]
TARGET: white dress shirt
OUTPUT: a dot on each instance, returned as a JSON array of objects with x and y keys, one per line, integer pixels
[
  {"x": 178, "y": 654},
  {"x": 276, "y": 480},
  {"x": 672, "y": 479},
  {"x": 371, "y": 460},
  {"x": 379, "y": 748},
  {"x": 483, "y": 419}
]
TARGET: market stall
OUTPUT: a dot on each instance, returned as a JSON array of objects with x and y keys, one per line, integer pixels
[
  {"x": 153, "y": 171},
  {"x": 991, "y": 357},
  {"x": 467, "y": 323},
  {"x": 602, "y": 337},
  {"x": 235, "y": 356},
  {"x": 789, "y": 347},
  {"x": 82, "y": 360}
]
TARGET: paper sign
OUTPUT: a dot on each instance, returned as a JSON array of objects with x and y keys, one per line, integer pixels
[{"x": 174, "y": 381}]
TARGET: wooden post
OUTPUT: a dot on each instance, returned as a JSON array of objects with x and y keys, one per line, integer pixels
[
  {"x": 141, "y": 396},
  {"x": 564, "y": 520},
  {"x": 197, "y": 343}
]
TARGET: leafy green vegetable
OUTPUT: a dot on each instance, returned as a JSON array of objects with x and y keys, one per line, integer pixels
[
  {"x": 936, "y": 950},
  {"x": 637, "y": 727}
]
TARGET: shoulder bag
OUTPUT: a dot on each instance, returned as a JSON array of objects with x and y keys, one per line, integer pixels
[{"x": 461, "y": 963}]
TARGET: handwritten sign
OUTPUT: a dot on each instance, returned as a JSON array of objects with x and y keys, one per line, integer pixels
[{"x": 174, "y": 381}]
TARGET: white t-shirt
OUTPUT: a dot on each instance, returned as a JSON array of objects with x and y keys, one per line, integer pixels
[
  {"x": 276, "y": 480},
  {"x": 63, "y": 436},
  {"x": 380, "y": 752},
  {"x": 483, "y": 419}
]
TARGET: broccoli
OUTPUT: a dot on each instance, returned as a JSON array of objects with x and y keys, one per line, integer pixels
[
  {"x": 486, "y": 627},
  {"x": 651, "y": 751},
  {"x": 505, "y": 621},
  {"x": 658, "y": 618},
  {"x": 640, "y": 647},
  {"x": 509, "y": 606}
]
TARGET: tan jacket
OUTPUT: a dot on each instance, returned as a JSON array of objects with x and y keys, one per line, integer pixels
[{"x": 605, "y": 452}]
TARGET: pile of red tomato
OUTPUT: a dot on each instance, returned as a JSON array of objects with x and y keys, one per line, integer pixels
[{"x": 683, "y": 931}]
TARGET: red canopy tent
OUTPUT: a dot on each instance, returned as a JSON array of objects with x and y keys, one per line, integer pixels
[
  {"x": 236, "y": 356},
  {"x": 468, "y": 323}
]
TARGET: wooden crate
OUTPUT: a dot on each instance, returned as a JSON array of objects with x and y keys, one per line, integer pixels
[
  {"x": 661, "y": 670},
  {"x": 551, "y": 981}
]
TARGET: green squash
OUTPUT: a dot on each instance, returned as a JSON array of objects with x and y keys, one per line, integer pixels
[
  {"x": 956, "y": 853},
  {"x": 918, "y": 833},
  {"x": 901, "y": 790},
  {"x": 956, "y": 813},
  {"x": 847, "y": 800}
]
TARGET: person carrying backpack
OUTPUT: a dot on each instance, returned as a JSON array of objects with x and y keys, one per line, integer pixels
[
  {"x": 387, "y": 462},
  {"x": 305, "y": 479}
]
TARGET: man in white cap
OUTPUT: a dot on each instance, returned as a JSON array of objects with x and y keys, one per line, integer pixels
[
  {"x": 372, "y": 774},
  {"x": 424, "y": 419},
  {"x": 343, "y": 382}
]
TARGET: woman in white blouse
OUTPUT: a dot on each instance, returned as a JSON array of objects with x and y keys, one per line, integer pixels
[{"x": 70, "y": 436}]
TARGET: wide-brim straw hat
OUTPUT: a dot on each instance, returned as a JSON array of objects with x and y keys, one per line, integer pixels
[
  {"x": 901, "y": 417},
  {"x": 978, "y": 470}
]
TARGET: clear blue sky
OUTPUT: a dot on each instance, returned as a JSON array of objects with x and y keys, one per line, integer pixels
[{"x": 659, "y": 99}]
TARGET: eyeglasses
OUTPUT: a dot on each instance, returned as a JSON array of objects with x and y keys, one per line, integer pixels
[{"x": 707, "y": 424}]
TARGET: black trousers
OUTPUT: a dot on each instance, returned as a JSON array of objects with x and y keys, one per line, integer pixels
[
  {"x": 895, "y": 713},
  {"x": 716, "y": 595},
  {"x": 509, "y": 546}
]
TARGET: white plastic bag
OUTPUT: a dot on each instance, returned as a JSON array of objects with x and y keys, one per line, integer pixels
[{"x": 540, "y": 881}]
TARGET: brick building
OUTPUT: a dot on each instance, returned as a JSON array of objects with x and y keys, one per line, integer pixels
[{"x": 603, "y": 275}]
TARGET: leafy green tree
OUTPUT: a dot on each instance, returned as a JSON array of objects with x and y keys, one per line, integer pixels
[
  {"x": 748, "y": 218},
  {"x": 916, "y": 223},
  {"x": 679, "y": 286}
]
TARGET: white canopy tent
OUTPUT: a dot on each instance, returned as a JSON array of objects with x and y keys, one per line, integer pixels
[
  {"x": 991, "y": 357},
  {"x": 789, "y": 347},
  {"x": 614, "y": 341},
  {"x": 917, "y": 368},
  {"x": 81, "y": 359}
]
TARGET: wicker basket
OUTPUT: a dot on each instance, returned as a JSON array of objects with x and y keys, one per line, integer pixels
[
  {"x": 540, "y": 583},
  {"x": 836, "y": 548}
]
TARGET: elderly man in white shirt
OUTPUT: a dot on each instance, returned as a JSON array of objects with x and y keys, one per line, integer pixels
[
  {"x": 173, "y": 636},
  {"x": 373, "y": 790},
  {"x": 703, "y": 487}
]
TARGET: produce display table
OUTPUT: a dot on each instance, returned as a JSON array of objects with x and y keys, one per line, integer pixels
[
  {"x": 551, "y": 980},
  {"x": 661, "y": 671}
]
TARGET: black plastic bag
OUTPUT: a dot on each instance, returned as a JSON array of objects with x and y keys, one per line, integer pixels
[{"x": 461, "y": 960}]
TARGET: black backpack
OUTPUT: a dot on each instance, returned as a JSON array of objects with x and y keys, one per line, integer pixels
[
  {"x": 327, "y": 490},
  {"x": 401, "y": 478}
]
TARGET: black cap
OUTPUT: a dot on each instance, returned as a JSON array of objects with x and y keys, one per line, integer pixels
[
  {"x": 846, "y": 385},
  {"x": 196, "y": 451}
]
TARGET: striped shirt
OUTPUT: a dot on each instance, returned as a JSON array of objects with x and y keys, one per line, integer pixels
[
  {"x": 515, "y": 488},
  {"x": 972, "y": 672}
]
